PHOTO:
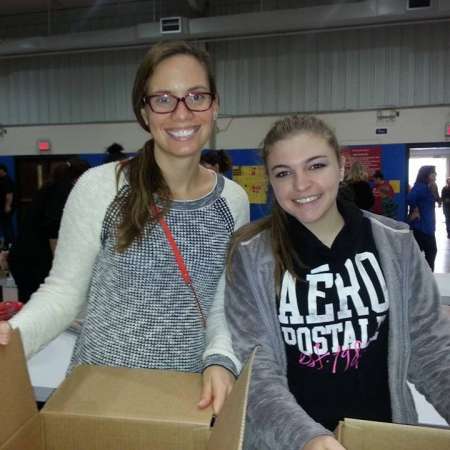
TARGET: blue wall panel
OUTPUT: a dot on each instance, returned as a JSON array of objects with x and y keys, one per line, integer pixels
[
  {"x": 8, "y": 161},
  {"x": 394, "y": 165}
]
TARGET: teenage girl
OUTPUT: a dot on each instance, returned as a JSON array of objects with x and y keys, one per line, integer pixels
[{"x": 341, "y": 303}]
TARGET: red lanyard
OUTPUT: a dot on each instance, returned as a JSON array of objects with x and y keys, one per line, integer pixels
[{"x": 180, "y": 262}]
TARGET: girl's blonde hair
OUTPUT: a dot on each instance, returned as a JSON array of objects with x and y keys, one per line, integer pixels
[{"x": 357, "y": 172}]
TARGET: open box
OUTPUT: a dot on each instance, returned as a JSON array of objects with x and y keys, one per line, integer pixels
[
  {"x": 366, "y": 435},
  {"x": 101, "y": 408}
]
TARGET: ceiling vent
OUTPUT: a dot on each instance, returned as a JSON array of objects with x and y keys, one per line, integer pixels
[
  {"x": 418, "y": 4},
  {"x": 168, "y": 25}
]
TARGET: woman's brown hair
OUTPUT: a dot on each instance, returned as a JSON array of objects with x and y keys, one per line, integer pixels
[
  {"x": 144, "y": 176},
  {"x": 276, "y": 223}
]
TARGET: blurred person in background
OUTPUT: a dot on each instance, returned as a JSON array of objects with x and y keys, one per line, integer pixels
[
  {"x": 445, "y": 198},
  {"x": 114, "y": 153},
  {"x": 30, "y": 257},
  {"x": 383, "y": 196},
  {"x": 6, "y": 207},
  {"x": 217, "y": 160},
  {"x": 357, "y": 186},
  {"x": 422, "y": 199}
]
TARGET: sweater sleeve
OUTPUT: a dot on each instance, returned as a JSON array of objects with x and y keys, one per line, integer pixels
[
  {"x": 59, "y": 299},
  {"x": 219, "y": 350},
  {"x": 429, "y": 366},
  {"x": 275, "y": 420}
]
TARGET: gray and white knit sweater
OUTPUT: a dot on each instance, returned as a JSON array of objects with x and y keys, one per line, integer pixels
[{"x": 139, "y": 311}]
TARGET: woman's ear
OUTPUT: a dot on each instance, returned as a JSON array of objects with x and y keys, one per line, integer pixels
[
  {"x": 144, "y": 117},
  {"x": 215, "y": 107},
  {"x": 342, "y": 168}
]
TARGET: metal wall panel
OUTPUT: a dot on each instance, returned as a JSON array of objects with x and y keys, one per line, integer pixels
[
  {"x": 359, "y": 69},
  {"x": 69, "y": 88}
]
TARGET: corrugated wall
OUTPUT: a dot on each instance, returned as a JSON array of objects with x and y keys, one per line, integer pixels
[
  {"x": 334, "y": 71},
  {"x": 71, "y": 88}
]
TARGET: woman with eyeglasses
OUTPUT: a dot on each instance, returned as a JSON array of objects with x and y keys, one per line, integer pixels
[{"x": 143, "y": 241}]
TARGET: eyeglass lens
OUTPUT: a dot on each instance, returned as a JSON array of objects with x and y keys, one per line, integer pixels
[{"x": 194, "y": 101}]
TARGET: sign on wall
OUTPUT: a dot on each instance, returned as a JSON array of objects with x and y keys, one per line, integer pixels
[
  {"x": 369, "y": 157},
  {"x": 253, "y": 179}
]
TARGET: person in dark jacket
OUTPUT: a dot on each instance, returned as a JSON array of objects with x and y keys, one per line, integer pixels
[
  {"x": 445, "y": 198},
  {"x": 422, "y": 218},
  {"x": 31, "y": 256},
  {"x": 358, "y": 186},
  {"x": 114, "y": 153},
  {"x": 217, "y": 160},
  {"x": 6, "y": 207}
]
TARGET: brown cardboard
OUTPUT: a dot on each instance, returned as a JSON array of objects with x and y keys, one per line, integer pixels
[
  {"x": 28, "y": 437},
  {"x": 17, "y": 405},
  {"x": 366, "y": 435},
  {"x": 100, "y": 408}
]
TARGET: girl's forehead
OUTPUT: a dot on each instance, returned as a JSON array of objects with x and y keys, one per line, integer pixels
[{"x": 302, "y": 143}]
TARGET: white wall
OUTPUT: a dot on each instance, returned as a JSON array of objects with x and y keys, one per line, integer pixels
[
  {"x": 412, "y": 126},
  {"x": 66, "y": 139}
]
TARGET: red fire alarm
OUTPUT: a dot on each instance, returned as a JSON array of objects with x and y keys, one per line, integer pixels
[
  {"x": 44, "y": 145},
  {"x": 447, "y": 129}
]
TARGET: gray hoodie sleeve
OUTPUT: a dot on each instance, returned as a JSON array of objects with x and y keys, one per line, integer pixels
[
  {"x": 429, "y": 366},
  {"x": 275, "y": 421}
]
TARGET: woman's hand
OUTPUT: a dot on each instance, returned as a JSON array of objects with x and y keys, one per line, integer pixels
[
  {"x": 5, "y": 333},
  {"x": 414, "y": 214},
  {"x": 217, "y": 385},
  {"x": 323, "y": 443}
]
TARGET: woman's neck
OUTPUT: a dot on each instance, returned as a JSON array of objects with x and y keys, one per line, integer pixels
[
  {"x": 186, "y": 178},
  {"x": 328, "y": 227}
]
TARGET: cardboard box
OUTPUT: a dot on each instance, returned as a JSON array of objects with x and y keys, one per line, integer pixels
[
  {"x": 365, "y": 435},
  {"x": 101, "y": 408}
]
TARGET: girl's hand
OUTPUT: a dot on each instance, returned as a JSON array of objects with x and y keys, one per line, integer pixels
[
  {"x": 5, "y": 333},
  {"x": 323, "y": 443},
  {"x": 217, "y": 385}
]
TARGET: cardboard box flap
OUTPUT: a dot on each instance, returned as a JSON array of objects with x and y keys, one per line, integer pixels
[
  {"x": 228, "y": 431},
  {"x": 366, "y": 435},
  {"x": 16, "y": 393},
  {"x": 28, "y": 437},
  {"x": 130, "y": 394}
]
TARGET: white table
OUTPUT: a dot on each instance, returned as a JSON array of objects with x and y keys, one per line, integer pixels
[{"x": 48, "y": 368}]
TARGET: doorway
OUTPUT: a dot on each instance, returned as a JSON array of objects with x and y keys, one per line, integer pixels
[
  {"x": 434, "y": 155},
  {"x": 32, "y": 172}
]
